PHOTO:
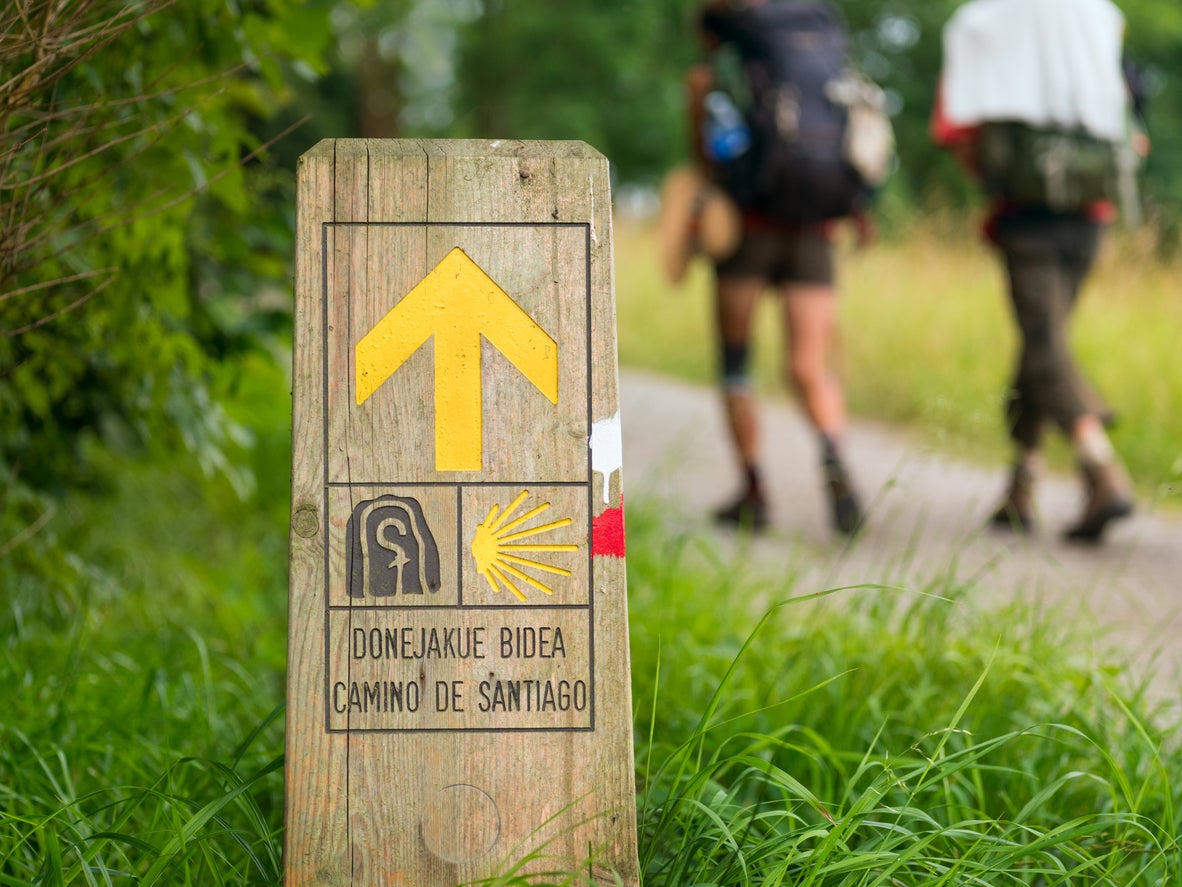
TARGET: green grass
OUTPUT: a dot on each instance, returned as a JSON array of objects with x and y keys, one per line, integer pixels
[
  {"x": 927, "y": 340},
  {"x": 883, "y": 736},
  {"x": 867, "y": 736},
  {"x": 141, "y": 728}
]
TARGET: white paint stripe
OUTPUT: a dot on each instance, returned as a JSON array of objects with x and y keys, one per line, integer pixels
[{"x": 607, "y": 450}]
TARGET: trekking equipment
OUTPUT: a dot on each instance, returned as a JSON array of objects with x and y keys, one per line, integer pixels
[
  {"x": 821, "y": 141},
  {"x": 727, "y": 135},
  {"x": 1063, "y": 170}
]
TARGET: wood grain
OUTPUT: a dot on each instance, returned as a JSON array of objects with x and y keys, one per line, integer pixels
[{"x": 458, "y": 675}]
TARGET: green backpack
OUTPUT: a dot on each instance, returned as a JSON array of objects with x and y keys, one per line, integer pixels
[{"x": 1063, "y": 170}]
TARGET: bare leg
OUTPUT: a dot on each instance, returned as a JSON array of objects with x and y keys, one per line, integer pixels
[
  {"x": 810, "y": 329},
  {"x": 810, "y": 332}
]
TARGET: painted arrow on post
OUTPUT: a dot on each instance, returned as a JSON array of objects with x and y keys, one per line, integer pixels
[{"x": 458, "y": 304}]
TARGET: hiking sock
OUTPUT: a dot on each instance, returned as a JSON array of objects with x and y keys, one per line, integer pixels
[
  {"x": 751, "y": 481},
  {"x": 830, "y": 449}
]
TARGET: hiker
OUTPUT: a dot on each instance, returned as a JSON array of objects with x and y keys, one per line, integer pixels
[
  {"x": 766, "y": 66},
  {"x": 1033, "y": 100}
]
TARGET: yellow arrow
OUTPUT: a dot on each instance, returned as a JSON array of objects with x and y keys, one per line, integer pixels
[{"x": 457, "y": 303}]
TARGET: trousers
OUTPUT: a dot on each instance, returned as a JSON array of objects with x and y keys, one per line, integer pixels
[{"x": 1047, "y": 257}]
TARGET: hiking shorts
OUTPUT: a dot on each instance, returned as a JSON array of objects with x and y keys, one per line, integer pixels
[{"x": 780, "y": 255}]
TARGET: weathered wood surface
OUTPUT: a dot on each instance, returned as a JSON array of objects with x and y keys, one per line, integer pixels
[{"x": 458, "y": 677}]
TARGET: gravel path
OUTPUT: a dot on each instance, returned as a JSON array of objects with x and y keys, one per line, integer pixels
[{"x": 926, "y": 512}]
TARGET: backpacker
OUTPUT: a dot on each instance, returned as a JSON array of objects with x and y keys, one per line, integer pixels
[
  {"x": 1063, "y": 170},
  {"x": 821, "y": 141}
]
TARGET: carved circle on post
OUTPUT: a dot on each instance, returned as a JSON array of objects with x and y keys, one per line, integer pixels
[
  {"x": 306, "y": 521},
  {"x": 460, "y": 823}
]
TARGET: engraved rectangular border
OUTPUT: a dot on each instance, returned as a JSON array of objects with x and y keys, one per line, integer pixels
[{"x": 589, "y": 483}]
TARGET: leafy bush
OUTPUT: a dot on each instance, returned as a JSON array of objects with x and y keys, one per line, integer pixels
[{"x": 142, "y": 241}]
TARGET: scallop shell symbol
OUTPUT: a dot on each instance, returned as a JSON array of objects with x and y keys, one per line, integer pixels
[{"x": 501, "y": 543}]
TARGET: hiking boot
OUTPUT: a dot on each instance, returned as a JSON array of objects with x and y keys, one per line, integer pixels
[
  {"x": 1109, "y": 498},
  {"x": 749, "y": 511},
  {"x": 1016, "y": 511},
  {"x": 844, "y": 509}
]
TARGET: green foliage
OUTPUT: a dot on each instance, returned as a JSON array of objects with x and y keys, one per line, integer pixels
[
  {"x": 534, "y": 69},
  {"x": 136, "y": 237},
  {"x": 142, "y": 665}
]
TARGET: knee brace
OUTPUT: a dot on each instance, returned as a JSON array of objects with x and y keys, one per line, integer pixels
[{"x": 734, "y": 365}]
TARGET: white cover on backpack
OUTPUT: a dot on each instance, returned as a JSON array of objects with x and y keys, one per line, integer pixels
[{"x": 1043, "y": 62}]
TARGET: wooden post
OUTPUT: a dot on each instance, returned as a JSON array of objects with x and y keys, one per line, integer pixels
[{"x": 458, "y": 678}]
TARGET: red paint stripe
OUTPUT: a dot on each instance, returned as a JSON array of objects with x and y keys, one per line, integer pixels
[{"x": 607, "y": 532}]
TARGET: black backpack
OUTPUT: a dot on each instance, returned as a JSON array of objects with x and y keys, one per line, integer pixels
[{"x": 793, "y": 56}]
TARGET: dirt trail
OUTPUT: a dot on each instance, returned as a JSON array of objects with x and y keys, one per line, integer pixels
[{"x": 926, "y": 514}]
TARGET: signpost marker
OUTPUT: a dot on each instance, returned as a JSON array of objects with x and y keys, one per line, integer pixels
[{"x": 458, "y": 679}]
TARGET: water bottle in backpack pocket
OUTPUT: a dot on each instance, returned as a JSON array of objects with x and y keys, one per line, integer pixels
[{"x": 726, "y": 135}]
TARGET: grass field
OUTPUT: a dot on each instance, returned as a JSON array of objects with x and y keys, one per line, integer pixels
[
  {"x": 927, "y": 340},
  {"x": 877, "y": 736},
  {"x": 871, "y": 736},
  {"x": 883, "y": 736}
]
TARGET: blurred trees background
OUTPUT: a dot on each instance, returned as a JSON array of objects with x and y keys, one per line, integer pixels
[
  {"x": 144, "y": 241},
  {"x": 147, "y": 171}
]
